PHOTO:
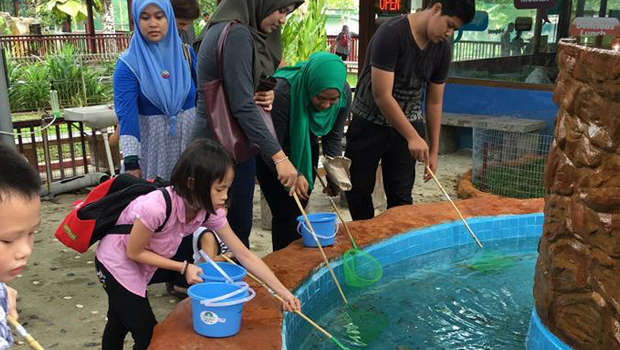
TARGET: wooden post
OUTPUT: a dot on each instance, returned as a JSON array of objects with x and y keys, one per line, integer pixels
[
  {"x": 90, "y": 27},
  {"x": 564, "y": 20},
  {"x": 16, "y": 7},
  {"x": 129, "y": 16},
  {"x": 367, "y": 29}
]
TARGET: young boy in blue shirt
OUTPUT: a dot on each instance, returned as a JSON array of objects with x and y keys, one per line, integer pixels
[{"x": 19, "y": 219}]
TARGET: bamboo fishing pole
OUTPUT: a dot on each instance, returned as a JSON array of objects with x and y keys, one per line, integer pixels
[
  {"x": 298, "y": 312},
  {"x": 331, "y": 271}
]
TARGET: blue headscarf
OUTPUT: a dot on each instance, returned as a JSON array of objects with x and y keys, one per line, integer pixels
[{"x": 149, "y": 61}]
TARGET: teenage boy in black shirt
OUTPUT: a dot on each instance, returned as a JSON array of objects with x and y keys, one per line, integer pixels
[{"x": 407, "y": 60}]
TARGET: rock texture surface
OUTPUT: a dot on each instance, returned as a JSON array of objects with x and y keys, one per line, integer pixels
[
  {"x": 577, "y": 283},
  {"x": 261, "y": 327}
]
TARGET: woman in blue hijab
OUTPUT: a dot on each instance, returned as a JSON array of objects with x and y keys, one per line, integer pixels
[{"x": 154, "y": 92}]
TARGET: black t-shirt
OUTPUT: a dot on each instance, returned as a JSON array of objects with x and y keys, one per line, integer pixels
[{"x": 393, "y": 48}]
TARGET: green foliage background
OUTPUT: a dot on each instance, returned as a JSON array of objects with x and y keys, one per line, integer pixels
[{"x": 304, "y": 32}]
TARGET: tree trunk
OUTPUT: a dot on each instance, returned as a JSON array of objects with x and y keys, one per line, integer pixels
[
  {"x": 107, "y": 17},
  {"x": 66, "y": 25}
]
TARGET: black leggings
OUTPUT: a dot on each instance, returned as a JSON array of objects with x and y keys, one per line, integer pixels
[
  {"x": 127, "y": 313},
  {"x": 284, "y": 210}
]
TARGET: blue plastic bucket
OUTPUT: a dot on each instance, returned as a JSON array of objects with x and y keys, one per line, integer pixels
[
  {"x": 217, "y": 306},
  {"x": 324, "y": 225},
  {"x": 210, "y": 274}
]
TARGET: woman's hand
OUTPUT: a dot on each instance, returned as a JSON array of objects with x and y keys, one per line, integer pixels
[
  {"x": 301, "y": 187},
  {"x": 291, "y": 302},
  {"x": 12, "y": 295},
  {"x": 264, "y": 99},
  {"x": 192, "y": 274},
  {"x": 287, "y": 175}
]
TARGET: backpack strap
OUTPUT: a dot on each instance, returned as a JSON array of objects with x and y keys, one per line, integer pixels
[
  {"x": 168, "y": 208},
  {"x": 126, "y": 228}
]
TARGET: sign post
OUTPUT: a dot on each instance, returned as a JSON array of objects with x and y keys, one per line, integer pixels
[{"x": 6, "y": 125}]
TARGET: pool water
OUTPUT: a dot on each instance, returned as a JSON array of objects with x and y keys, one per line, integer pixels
[{"x": 456, "y": 298}]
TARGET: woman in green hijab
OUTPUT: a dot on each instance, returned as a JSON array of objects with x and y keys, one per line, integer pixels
[
  {"x": 251, "y": 54},
  {"x": 312, "y": 100}
]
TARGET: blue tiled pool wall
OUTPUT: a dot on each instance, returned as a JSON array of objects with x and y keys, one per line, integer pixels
[
  {"x": 319, "y": 291},
  {"x": 540, "y": 338}
]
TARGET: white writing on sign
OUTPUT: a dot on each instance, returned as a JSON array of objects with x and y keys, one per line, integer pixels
[{"x": 591, "y": 26}]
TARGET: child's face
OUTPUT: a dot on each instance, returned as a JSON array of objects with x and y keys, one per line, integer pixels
[
  {"x": 219, "y": 190},
  {"x": 19, "y": 219},
  {"x": 441, "y": 27}
]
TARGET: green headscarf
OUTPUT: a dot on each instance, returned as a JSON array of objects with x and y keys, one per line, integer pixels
[
  {"x": 307, "y": 79},
  {"x": 267, "y": 48}
]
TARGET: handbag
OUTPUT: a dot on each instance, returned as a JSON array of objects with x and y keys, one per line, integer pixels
[{"x": 224, "y": 126}]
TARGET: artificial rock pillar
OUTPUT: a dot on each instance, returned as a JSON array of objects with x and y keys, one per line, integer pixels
[{"x": 577, "y": 283}]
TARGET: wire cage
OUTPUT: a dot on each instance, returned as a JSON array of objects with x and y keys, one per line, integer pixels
[{"x": 510, "y": 164}]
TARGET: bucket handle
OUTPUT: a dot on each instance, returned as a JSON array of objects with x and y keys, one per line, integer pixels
[
  {"x": 218, "y": 301},
  {"x": 299, "y": 224},
  {"x": 219, "y": 269}
]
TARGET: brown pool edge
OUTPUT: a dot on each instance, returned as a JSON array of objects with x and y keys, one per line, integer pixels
[{"x": 261, "y": 326}]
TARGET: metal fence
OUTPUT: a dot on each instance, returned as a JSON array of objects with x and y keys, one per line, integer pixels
[
  {"x": 62, "y": 149},
  {"x": 510, "y": 164}
]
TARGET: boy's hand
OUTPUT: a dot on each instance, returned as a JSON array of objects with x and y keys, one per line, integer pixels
[
  {"x": 192, "y": 275},
  {"x": 12, "y": 295},
  {"x": 433, "y": 162},
  {"x": 418, "y": 149}
]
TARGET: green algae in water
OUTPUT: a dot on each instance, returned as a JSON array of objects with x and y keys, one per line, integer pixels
[
  {"x": 489, "y": 261},
  {"x": 436, "y": 302}
]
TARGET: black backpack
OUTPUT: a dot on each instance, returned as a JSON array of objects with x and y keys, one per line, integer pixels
[{"x": 96, "y": 216}]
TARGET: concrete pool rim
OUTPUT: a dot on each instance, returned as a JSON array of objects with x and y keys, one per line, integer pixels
[{"x": 318, "y": 287}]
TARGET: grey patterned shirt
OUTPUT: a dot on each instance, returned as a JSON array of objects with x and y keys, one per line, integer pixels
[{"x": 393, "y": 49}]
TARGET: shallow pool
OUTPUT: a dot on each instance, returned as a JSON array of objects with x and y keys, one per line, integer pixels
[{"x": 442, "y": 293}]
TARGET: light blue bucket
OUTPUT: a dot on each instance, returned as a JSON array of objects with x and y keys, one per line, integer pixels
[
  {"x": 217, "y": 306},
  {"x": 324, "y": 225},
  {"x": 210, "y": 274}
]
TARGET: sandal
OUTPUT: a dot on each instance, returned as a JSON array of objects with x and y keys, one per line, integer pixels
[{"x": 176, "y": 291}]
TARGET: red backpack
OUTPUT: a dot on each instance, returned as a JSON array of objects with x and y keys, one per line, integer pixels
[{"x": 96, "y": 216}]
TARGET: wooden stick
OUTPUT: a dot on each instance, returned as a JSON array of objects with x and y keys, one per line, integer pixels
[
  {"x": 331, "y": 271},
  {"x": 331, "y": 200},
  {"x": 274, "y": 294},
  {"x": 454, "y": 206},
  {"x": 22, "y": 332}
]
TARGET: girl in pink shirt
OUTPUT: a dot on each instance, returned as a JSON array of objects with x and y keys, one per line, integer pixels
[{"x": 126, "y": 263}]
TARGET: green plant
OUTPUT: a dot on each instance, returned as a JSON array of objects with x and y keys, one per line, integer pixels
[
  {"x": 304, "y": 32},
  {"x": 60, "y": 9},
  {"x": 524, "y": 181},
  {"x": 4, "y": 27},
  {"x": 65, "y": 73},
  {"x": 32, "y": 91}
]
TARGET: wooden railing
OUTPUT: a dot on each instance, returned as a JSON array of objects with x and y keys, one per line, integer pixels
[
  {"x": 22, "y": 46},
  {"x": 67, "y": 149}
]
